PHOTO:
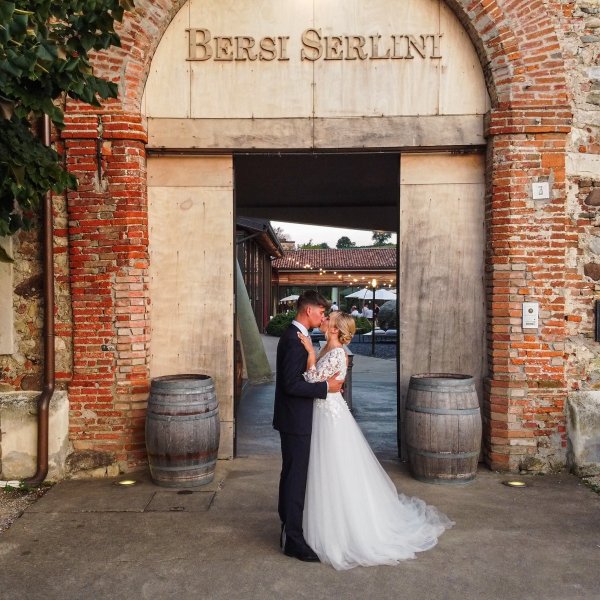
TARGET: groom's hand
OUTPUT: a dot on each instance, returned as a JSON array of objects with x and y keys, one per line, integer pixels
[{"x": 334, "y": 385}]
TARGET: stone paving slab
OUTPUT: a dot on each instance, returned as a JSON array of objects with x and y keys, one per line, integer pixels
[
  {"x": 539, "y": 543},
  {"x": 103, "y": 495},
  {"x": 92, "y": 540}
]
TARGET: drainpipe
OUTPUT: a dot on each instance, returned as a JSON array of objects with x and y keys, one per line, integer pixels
[{"x": 43, "y": 402}]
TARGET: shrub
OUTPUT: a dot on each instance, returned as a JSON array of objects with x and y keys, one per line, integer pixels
[
  {"x": 387, "y": 315},
  {"x": 280, "y": 322},
  {"x": 363, "y": 325}
]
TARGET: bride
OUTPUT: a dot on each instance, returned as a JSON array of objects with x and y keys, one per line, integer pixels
[{"x": 353, "y": 514}]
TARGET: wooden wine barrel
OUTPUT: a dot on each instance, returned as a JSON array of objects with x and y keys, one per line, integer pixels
[
  {"x": 182, "y": 430},
  {"x": 443, "y": 428}
]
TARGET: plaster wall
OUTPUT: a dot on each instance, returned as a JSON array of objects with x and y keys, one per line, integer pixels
[{"x": 18, "y": 435}]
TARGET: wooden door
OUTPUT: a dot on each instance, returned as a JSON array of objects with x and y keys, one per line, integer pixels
[
  {"x": 442, "y": 246},
  {"x": 191, "y": 206}
]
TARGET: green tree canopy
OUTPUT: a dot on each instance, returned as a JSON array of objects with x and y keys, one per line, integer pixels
[
  {"x": 345, "y": 242},
  {"x": 310, "y": 245},
  {"x": 44, "y": 56},
  {"x": 381, "y": 238}
]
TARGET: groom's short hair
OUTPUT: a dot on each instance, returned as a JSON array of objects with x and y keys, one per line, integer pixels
[{"x": 311, "y": 298}]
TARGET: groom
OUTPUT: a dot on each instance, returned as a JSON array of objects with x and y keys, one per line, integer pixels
[{"x": 293, "y": 419}]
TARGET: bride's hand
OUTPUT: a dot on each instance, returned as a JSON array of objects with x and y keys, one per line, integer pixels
[{"x": 307, "y": 343}]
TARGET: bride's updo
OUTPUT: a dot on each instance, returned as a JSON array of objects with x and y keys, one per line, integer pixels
[{"x": 345, "y": 324}]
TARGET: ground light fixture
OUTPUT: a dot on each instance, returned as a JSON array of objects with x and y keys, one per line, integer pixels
[
  {"x": 125, "y": 482},
  {"x": 514, "y": 483}
]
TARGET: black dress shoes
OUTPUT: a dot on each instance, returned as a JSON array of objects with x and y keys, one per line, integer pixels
[{"x": 305, "y": 554}]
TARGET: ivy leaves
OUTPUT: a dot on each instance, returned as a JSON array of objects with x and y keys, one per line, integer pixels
[
  {"x": 28, "y": 169},
  {"x": 44, "y": 55}
]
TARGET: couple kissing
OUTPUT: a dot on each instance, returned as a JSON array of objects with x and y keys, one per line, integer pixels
[{"x": 337, "y": 505}]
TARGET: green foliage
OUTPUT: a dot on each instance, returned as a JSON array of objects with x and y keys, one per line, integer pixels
[
  {"x": 27, "y": 170},
  {"x": 381, "y": 238},
  {"x": 345, "y": 242},
  {"x": 363, "y": 325},
  {"x": 44, "y": 46},
  {"x": 310, "y": 245},
  {"x": 280, "y": 322},
  {"x": 387, "y": 315}
]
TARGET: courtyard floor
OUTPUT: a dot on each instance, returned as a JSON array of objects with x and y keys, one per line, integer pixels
[{"x": 93, "y": 539}]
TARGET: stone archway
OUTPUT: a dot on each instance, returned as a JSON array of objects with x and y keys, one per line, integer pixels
[{"x": 526, "y": 132}]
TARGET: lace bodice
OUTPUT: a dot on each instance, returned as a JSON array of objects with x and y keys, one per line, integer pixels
[{"x": 327, "y": 366}]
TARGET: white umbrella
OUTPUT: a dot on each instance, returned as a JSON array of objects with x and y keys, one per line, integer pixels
[
  {"x": 367, "y": 294},
  {"x": 289, "y": 298}
]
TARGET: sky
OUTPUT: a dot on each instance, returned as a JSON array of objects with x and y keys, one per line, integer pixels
[{"x": 301, "y": 234}]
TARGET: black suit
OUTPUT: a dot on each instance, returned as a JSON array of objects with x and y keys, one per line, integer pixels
[{"x": 293, "y": 419}]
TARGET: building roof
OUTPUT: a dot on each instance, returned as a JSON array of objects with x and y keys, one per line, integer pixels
[
  {"x": 264, "y": 232},
  {"x": 340, "y": 259}
]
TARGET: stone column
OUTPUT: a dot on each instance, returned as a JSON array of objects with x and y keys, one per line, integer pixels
[
  {"x": 108, "y": 256},
  {"x": 524, "y": 424}
]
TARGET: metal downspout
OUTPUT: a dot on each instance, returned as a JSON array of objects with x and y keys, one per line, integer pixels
[{"x": 43, "y": 402}]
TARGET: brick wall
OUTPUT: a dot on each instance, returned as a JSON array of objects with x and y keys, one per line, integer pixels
[
  {"x": 542, "y": 66},
  {"x": 108, "y": 255}
]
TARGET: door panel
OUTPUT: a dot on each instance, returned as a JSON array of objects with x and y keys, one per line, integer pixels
[
  {"x": 442, "y": 245},
  {"x": 191, "y": 274}
]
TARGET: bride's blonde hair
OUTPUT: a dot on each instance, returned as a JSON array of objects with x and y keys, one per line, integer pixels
[{"x": 345, "y": 324}]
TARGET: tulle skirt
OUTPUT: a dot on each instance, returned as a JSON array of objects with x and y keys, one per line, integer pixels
[{"x": 353, "y": 514}]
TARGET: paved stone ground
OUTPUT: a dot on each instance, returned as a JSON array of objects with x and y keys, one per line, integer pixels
[
  {"x": 93, "y": 539},
  {"x": 382, "y": 350}
]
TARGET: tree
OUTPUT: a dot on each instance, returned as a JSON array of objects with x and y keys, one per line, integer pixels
[
  {"x": 281, "y": 235},
  {"x": 380, "y": 238},
  {"x": 345, "y": 242},
  {"x": 310, "y": 245},
  {"x": 44, "y": 57}
]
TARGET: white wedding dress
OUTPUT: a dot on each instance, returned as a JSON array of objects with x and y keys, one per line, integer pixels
[{"x": 353, "y": 514}]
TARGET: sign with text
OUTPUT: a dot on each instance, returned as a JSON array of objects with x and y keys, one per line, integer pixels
[
  {"x": 241, "y": 59},
  {"x": 313, "y": 46}
]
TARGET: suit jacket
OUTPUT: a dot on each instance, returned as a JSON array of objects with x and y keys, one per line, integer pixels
[{"x": 293, "y": 395}]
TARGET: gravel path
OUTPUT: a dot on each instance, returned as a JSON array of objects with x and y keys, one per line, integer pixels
[{"x": 14, "y": 502}]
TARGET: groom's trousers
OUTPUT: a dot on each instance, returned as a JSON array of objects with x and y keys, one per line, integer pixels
[{"x": 295, "y": 453}]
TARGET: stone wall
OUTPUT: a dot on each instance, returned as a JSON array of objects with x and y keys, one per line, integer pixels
[
  {"x": 582, "y": 47},
  {"x": 18, "y": 435},
  {"x": 23, "y": 370}
]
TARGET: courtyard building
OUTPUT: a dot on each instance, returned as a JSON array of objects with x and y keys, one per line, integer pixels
[{"x": 469, "y": 128}]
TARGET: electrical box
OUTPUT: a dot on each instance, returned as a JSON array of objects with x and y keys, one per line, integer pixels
[
  {"x": 541, "y": 190},
  {"x": 531, "y": 311}
]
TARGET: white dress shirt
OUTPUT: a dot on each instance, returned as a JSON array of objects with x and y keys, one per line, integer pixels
[{"x": 301, "y": 327}]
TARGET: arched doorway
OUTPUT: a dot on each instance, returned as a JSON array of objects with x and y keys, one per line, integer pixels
[
  {"x": 526, "y": 129},
  {"x": 400, "y": 78}
]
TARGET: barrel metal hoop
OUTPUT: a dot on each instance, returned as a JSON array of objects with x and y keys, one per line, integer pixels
[
  {"x": 462, "y": 481},
  {"x": 204, "y": 465},
  {"x": 443, "y": 454},
  {"x": 186, "y": 417},
  {"x": 444, "y": 411},
  {"x": 174, "y": 404},
  {"x": 442, "y": 382},
  {"x": 174, "y": 391},
  {"x": 166, "y": 402},
  {"x": 423, "y": 387}
]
